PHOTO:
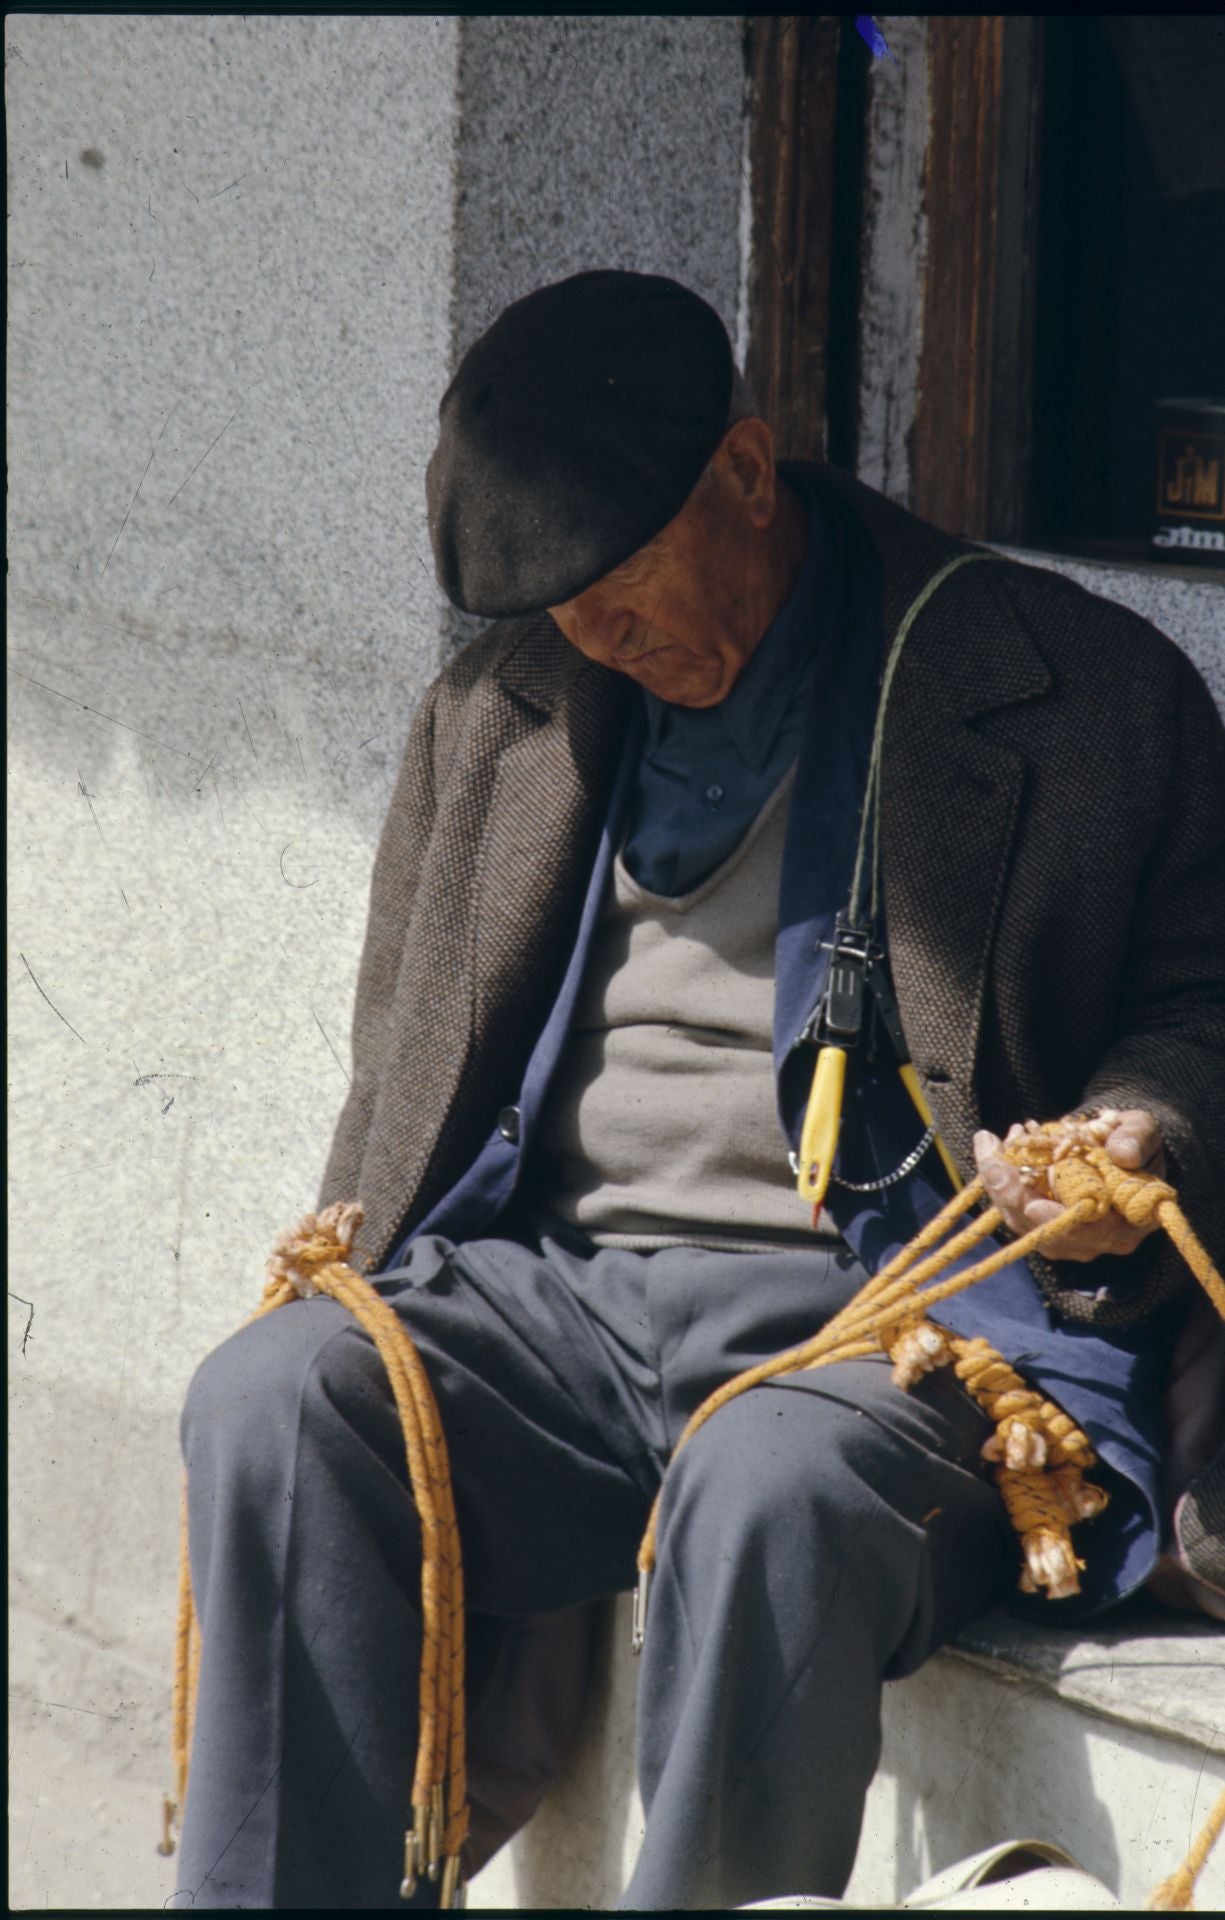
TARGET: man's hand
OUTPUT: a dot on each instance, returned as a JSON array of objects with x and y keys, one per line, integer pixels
[{"x": 1134, "y": 1143}]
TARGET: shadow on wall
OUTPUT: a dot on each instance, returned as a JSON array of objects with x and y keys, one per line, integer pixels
[
  {"x": 205, "y": 719},
  {"x": 580, "y": 1849}
]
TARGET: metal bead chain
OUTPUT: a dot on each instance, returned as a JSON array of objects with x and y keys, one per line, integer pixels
[{"x": 891, "y": 1179}]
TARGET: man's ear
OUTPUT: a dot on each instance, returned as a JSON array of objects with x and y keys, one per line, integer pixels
[{"x": 747, "y": 449}]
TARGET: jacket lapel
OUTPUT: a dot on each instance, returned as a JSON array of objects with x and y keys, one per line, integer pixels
[
  {"x": 951, "y": 800},
  {"x": 519, "y": 820},
  {"x": 560, "y": 725}
]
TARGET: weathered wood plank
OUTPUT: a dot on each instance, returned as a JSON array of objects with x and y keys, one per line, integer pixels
[
  {"x": 794, "y": 93},
  {"x": 971, "y": 443}
]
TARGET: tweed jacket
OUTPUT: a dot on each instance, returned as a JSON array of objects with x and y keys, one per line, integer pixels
[{"x": 1053, "y": 860}]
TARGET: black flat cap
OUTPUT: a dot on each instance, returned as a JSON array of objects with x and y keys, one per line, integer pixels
[{"x": 575, "y": 428}]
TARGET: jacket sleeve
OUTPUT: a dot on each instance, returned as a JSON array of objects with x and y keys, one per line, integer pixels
[
  {"x": 1169, "y": 1056},
  {"x": 397, "y": 867}
]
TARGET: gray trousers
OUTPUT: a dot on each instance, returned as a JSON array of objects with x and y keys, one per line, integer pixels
[{"x": 823, "y": 1533}]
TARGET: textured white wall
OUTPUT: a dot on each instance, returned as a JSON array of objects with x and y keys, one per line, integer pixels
[
  {"x": 243, "y": 255},
  {"x": 1187, "y": 603},
  {"x": 1086, "y": 1726},
  {"x": 611, "y": 142},
  {"x": 229, "y": 326}
]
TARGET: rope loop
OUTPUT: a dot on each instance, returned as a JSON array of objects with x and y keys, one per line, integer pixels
[
  {"x": 307, "y": 1260},
  {"x": 1139, "y": 1198},
  {"x": 1038, "y": 1453}
]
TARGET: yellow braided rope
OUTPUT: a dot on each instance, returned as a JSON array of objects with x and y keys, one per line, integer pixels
[
  {"x": 1175, "y": 1894},
  {"x": 312, "y": 1259},
  {"x": 879, "y": 1313},
  {"x": 1038, "y": 1453},
  {"x": 889, "y": 1311}
]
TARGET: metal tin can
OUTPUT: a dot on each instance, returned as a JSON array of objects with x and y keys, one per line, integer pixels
[{"x": 1190, "y": 508}]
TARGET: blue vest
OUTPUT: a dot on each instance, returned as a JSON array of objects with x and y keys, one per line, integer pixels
[{"x": 1110, "y": 1382}]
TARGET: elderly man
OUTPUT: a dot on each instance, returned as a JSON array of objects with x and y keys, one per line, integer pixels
[{"x": 598, "y": 943}]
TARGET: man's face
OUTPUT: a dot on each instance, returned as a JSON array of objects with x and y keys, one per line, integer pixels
[{"x": 683, "y": 614}]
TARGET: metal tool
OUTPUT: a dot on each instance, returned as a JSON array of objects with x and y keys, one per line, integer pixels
[{"x": 858, "y": 981}]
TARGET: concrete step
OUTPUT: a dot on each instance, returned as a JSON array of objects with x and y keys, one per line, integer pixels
[{"x": 1108, "y": 1740}]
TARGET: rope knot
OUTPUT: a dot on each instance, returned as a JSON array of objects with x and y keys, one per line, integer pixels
[
  {"x": 319, "y": 1240},
  {"x": 918, "y": 1349},
  {"x": 1075, "y": 1182},
  {"x": 1071, "y": 1157},
  {"x": 1050, "y": 1563},
  {"x": 1138, "y": 1197}
]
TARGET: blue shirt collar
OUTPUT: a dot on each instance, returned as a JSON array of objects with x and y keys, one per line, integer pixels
[{"x": 750, "y": 718}]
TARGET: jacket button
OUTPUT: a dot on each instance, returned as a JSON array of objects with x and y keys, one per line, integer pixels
[{"x": 508, "y": 1125}]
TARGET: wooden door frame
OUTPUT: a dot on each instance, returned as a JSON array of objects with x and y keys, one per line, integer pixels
[
  {"x": 970, "y": 436},
  {"x": 793, "y": 69},
  {"x": 973, "y": 418}
]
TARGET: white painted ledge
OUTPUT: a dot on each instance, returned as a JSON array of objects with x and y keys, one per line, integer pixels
[{"x": 1110, "y": 1743}]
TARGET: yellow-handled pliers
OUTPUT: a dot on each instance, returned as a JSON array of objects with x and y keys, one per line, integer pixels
[
  {"x": 822, "y": 1119},
  {"x": 836, "y": 1025},
  {"x": 855, "y": 965}
]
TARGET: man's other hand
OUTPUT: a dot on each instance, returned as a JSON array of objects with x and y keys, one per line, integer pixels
[{"x": 1134, "y": 1143}]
